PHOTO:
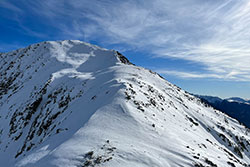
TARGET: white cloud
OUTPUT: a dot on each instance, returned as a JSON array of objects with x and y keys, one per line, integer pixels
[
  {"x": 10, "y": 6},
  {"x": 214, "y": 34},
  {"x": 188, "y": 75},
  {"x": 232, "y": 76}
]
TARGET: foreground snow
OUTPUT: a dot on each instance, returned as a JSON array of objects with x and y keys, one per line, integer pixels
[{"x": 69, "y": 103}]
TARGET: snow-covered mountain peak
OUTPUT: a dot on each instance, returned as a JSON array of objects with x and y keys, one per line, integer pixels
[
  {"x": 68, "y": 103},
  {"x": 65, "y": 58},
  {"x": 77, "y": 53},
  {"x": 70, "y": 52}
]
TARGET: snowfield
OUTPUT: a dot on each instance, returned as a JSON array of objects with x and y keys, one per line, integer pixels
[{"x": 72, "y": 104}]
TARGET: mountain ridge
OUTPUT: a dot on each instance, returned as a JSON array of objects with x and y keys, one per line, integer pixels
[{"x": 68, "y": 103}]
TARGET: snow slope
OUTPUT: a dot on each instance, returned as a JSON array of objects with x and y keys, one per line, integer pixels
[{"x": 72, "y": 104}]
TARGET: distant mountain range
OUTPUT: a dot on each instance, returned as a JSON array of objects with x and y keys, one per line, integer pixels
[
  {"x": 239, "y": 100},
  {"x": 235, "y": 107}
]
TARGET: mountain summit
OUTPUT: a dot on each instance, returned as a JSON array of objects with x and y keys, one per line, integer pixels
[{"x": 72, "y": 104}]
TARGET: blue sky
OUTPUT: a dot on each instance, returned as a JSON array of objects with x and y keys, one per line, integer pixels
[{"x": 200, "y": 45}]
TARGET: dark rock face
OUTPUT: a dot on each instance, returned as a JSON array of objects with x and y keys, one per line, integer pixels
[{"x": 123, "y": 59}]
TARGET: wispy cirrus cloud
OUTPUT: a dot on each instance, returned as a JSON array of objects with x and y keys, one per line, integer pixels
[
  {"x": 214, "y": 34},
  {"x": 10, "y": 6},
  {"x": 226, "y": 53},
  {"x": 188, "y": 75}
]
